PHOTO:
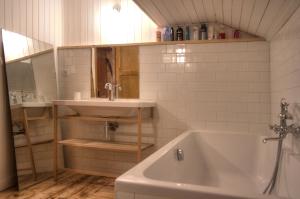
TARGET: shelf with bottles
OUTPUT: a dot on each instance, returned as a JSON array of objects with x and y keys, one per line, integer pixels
[{"x": 201, "y": 32}]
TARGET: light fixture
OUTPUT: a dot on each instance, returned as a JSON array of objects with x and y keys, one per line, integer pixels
[{"x": 117, "y": 6}]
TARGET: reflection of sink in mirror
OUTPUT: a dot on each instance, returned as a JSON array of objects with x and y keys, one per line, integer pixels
[
  {"x": 31, "y": 105},
  {"x": 36, "y": 104}
]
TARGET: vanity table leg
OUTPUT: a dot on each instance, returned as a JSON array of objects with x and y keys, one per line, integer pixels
[
  {"x": 54, "y": 109},
  {"x": 139, "y": 134}
]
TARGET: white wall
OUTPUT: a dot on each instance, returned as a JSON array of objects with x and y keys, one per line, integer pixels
[
  {"x": 285, "y": 82},
  {"x": 95, "y": 21},
  {"x": 217, "y": 87},
  {"x": 74, "y": 22},
  {"x": 38, "y": 19}
]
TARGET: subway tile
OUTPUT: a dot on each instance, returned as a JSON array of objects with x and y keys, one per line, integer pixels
[
  {"x": 177, "y": 68},
  {"x": 148, "y": 77},
  {"x": 152, "y": 68},
  {"x": 166, "y": 77}
]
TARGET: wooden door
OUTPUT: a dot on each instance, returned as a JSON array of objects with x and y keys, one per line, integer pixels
[{"x": 127, "y": 71}]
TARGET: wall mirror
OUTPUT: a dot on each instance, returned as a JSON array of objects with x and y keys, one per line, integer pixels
[
  {"x": 31, "y": 81},
  {"x": 118, "y": 65}
]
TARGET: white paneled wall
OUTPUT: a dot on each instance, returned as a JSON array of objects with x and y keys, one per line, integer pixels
[
  {"x": 214, "y": 87},
  {"x": 38, "y": 19},
  {"x": 264, "y": 17},
  {"x": 285, "y": 82},
  {"x": 76, "y": 22},
  {"x": 95, "y": 22}
]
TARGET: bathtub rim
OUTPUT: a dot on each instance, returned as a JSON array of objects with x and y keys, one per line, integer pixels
[{"x": 134, "y": 180}]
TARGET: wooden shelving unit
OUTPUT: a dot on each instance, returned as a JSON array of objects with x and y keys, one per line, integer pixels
[
  {"x": 136, "y": 147},
  {"x": 27, "y": 131},
  {"x": 107, "y": 146}
]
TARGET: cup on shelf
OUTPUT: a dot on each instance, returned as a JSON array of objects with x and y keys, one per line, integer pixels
[{"x": 77, "y": 96}]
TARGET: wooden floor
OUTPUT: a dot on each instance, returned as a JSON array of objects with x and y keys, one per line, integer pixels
[{"x": 68, "y": 185}]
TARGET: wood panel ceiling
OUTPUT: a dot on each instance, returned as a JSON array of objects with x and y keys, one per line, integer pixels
[{"x": 259, "y": 17}]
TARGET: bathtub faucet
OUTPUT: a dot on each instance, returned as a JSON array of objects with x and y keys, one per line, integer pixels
[{"x": 283, "y": 129}]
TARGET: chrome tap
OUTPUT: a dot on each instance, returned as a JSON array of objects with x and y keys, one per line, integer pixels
[
  {"x": 283, "y": 129},
  {"x": 112, "y": 90}
]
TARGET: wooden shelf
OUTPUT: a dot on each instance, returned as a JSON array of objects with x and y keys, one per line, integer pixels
[
  {"x": 38, "y": 118},
  {"x": 102, "y": 119},
  {"x": 35, "y": 143},
  {"x": 108, "y": 146},
  {"x": 252, "y": 39}
]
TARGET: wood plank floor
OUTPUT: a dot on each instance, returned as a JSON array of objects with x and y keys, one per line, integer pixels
[{"x": 69, "y": 185}]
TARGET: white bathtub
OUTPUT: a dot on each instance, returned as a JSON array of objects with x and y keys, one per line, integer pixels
[{"x": 215, "y": 166}]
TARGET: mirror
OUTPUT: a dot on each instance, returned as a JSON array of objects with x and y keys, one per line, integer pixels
[
  {"x": 118, "y": 65},
  {"x": 31, "y": 81}
]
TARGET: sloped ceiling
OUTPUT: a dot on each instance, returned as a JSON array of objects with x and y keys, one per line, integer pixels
[{"x": 259, "y": 17}]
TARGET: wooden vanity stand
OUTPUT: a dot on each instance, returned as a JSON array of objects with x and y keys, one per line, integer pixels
[{"x": 135, "y": 147}]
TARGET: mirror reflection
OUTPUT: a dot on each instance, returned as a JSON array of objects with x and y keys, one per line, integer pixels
[
  {"x": 31, "y": 81},
  {"x": 117, "y": 72}
]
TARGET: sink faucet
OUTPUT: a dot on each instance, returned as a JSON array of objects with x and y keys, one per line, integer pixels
[
  {"x": 283, "y": 129},
  {"x": 112, "y": 90}
]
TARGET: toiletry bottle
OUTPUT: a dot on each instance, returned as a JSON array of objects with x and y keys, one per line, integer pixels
[
  {"x": 172, "y": 34},
  {"x": 210, "y": 31},
  {"x": 203, "y": 32},
  {"x": 187, "y": 33},
  {"x": 179, "y": 34},
  {"x": 158, "y": 36},
  {"x": 167, "y": 35},
  {"x": 236, "y": 34},
  {"x": 195, "y": 33},
  {"x": 222, "y": 34}
]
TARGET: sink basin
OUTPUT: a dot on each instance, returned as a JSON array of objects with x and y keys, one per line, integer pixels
[
  {"x": 31, "y": 105},
  {"x": 36, "y": 104},
  {"x": 106, "y": 108}
]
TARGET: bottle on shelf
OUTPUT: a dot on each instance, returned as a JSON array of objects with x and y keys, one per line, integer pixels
[
  {"x": 172, "y": 34},
  {"x": 158, "y": 36},
  {"x": 236, "y": 34},
  {"x": 195, "y": 33},
  {"x": 187, "y": 33},
  {"x": 179, "y": 34},
  {"x": 203, "y": 32},
  {"x": 210, "y": 31},
  {"x": 222, "y": 34},
  {"x": 166, "y": 34}
]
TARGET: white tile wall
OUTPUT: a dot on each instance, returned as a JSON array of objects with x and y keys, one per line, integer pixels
[
  {"x": 74, "y": 72},
  {"x": 200, "y": 87},
  {"x": 213, "y": 87},
  {"x": 285, "y": 82}
]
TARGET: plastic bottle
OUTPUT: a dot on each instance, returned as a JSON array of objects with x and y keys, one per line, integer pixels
[
  {"x": 203, "y": 32},
  {"x": 172, "y": 34},
  {"x": 179, "y": 34},
  {"x": 195, "y": 33},
  {"x": 187, "y": 33}
]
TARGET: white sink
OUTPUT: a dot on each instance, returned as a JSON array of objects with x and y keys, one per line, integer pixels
[
  {"x": 36, "y": 104},
  {"x": 31, "y": 105},
  {"x": 104, "y": 102},
  {"x": 104, "y": 107}
]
